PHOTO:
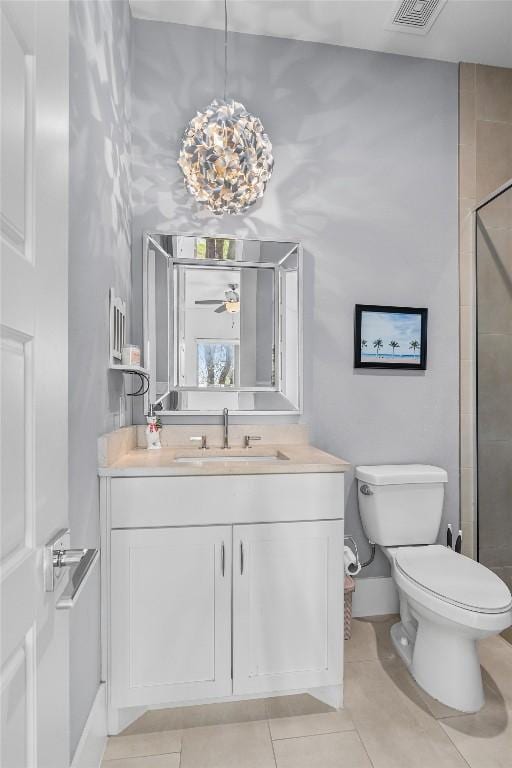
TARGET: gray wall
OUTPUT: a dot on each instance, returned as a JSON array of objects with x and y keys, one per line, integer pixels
[
  {"x": 365, "y": 148},
  {"x": 99, "y": 257}
]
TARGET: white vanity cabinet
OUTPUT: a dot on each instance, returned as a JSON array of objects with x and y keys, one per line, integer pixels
[
  {"x": 221, "y": 587},
  {"x": 170, "y": 614},
  {"x": 287, "y": 626}
]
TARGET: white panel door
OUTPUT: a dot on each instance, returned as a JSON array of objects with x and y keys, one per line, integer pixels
[
  {"x": 170, "y": 608},
  {"x": 287, "y": 606},
  {"x": 33, "y": 346}
]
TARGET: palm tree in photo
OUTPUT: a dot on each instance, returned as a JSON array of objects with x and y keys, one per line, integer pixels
[
  {"x": 414, "y": 345},
  {"x": 364, "y": 343},
  {"x": 378, "y": 345},
  {"x": 394, "y": 346}
]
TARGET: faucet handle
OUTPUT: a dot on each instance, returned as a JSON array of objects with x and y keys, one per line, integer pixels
[
  {"x": 202, "y": 440},
  {"x": 249, "y": 438}
]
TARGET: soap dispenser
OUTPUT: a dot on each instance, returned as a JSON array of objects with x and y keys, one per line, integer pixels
[{"x": 153, "y": 430}]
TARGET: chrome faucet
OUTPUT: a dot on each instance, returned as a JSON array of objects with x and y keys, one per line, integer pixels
[{"x": 225, "y": 414}]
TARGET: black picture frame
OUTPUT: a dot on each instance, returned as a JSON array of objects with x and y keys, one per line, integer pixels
[{"x": 385, "y": 360}]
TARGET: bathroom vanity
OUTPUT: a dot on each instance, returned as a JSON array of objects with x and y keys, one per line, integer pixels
[
  {"x": 222, "y": 565},
  {"x": 222, "y": 569}
]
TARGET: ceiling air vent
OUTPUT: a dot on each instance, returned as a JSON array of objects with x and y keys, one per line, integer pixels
[{"x": 415, "y": 16}]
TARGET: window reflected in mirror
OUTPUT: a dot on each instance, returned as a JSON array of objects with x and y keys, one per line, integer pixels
[{"x": 216, "y": 366}]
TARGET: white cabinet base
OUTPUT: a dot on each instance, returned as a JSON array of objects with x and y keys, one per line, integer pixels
[
  {"x": 332, "y": 695},
  {"x": 119, "y": 719}
]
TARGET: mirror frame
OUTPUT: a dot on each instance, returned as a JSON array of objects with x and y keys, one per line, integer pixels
[{"x": 149, "y": 240}]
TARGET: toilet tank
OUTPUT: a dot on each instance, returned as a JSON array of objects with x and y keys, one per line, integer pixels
[{"x": 401, "y": 504}]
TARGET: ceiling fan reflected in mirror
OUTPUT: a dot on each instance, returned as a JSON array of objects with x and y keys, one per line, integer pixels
[{"x": 230, "y": 303}]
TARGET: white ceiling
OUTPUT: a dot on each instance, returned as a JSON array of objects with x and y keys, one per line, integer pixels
[{"x": 466, "y": 30}]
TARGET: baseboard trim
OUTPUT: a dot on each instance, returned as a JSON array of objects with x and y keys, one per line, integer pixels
[
  {"x": 91, "y": 747},
  {"x": 375, "y": 596}
]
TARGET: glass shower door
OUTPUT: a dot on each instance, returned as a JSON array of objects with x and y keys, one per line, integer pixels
[{"x": 494, "y": 383}]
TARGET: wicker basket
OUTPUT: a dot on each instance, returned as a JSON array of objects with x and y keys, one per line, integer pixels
[{"x": 349, "y": 590}]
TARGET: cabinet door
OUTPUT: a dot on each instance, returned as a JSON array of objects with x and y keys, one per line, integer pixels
[
  {"x": 287, "y": 606},
  {"x": 170, "y": 610}
]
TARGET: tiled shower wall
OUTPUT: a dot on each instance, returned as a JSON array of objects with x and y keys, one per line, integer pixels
[{"x": 485, "y": 163}]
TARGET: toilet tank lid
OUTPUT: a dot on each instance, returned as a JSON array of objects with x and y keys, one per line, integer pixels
[{"x": 400, "y": 474}]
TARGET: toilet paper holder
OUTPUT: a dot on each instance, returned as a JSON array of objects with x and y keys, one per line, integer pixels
[{"x": 352, "y": 568}]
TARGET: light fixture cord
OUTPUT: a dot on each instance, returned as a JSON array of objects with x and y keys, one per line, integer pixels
[{"x": 225, "y": 47}]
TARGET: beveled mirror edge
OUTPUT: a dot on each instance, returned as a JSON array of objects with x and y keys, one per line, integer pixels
[
  {"x": 297, "y": 245},
  {"x": 297, "y": 410}
]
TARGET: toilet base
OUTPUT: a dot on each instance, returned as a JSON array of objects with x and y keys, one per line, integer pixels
[
  {"x": 403, "y": 643},
  {"x": 444, "y": 663}
]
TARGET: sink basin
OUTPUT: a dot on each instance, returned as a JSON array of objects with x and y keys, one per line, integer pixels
[{"x": 216, "y": 458}]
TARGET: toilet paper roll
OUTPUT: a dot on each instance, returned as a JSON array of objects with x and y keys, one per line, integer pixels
[{"x": 352, "y": 565}]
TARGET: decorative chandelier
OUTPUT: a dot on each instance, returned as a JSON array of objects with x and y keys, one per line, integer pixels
[{"x": 226, "y": 156}]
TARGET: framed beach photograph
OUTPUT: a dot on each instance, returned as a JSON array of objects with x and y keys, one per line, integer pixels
[{"x": 390, "y": 337}]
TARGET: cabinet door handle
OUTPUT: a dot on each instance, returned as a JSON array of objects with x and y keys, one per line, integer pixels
[
  {"x": 241, "y": 558},
  {"x": 223, "y": 559}
]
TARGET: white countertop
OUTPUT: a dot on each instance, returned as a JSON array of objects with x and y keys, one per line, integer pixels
[{"x": 291, "y": 459}]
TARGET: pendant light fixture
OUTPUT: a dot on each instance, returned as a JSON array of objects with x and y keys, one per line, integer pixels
[{"x": 226, "y": 156}]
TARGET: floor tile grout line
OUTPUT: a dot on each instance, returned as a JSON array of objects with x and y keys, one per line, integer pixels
[
  {"x": 149, "y": 754},
  {"x": 138, "y": 757},
  {"x": 312, "y": 735},
  {"x": 453, "y": 743},
  {"x": 271, "y": 741},
  {"x": 309, "y": 736},
  {"x": 467, "y": 762},
  {"x": 372, "y": 764},
  {"x": 360, "y": 737}
]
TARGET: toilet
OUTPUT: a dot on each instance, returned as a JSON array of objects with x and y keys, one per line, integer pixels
[{"x": 447, "y": 601}]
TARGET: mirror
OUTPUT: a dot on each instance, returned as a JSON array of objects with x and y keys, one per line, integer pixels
[{"x": 222, "y": 324}]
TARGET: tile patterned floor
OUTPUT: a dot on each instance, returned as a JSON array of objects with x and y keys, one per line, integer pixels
[{"x": 387, "y": 722}]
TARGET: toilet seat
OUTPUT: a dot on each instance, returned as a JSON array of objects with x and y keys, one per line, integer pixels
[{"x": 453, "y": 579}]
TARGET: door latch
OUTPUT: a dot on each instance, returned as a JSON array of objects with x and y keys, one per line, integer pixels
[{"x": 57, "y": 556}]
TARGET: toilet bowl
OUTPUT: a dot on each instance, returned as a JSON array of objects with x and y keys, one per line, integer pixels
[{"x": 448, "y": 602}]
